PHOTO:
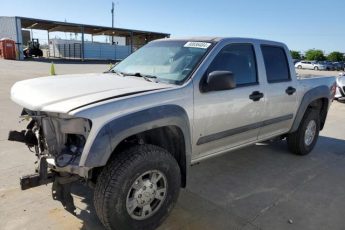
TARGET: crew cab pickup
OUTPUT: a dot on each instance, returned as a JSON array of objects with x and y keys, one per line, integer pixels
[{"x": 133, "y": 132}]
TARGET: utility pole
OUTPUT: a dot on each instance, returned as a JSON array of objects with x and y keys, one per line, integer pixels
[{"x": 112, "y": 21}]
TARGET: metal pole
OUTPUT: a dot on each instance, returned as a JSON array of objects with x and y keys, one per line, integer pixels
[
  {"x": 82, "y": 43},
  {"x": 18, "y": 41},
  {"x": 131, "y": 41},
  {"x": 112, "y": 21},
  {"x": 115, "y": 53},
  {"x": 48, "y": 45}
]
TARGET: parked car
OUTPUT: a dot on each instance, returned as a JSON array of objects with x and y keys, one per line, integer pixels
[
  {"x": 310, "y": 65},
  {"x": 295, "y": 61},
  {"x": 338, "y": 65},
  {"x": 340, "y": 92},
  {"x": 133, "y": 133},
  {"x": 327, "y": 64}
]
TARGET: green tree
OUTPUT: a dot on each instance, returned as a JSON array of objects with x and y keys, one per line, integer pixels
[
  {"x": 317, "y": 55},
  {"x": 335, "y": 56},
  {"x": 295, "y": 54}
]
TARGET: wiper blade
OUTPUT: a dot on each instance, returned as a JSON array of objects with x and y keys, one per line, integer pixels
[
  {"x": 116, "y": 72},
  {"x": 139, "y": 75},
  {"x": 147, "y": 77}
]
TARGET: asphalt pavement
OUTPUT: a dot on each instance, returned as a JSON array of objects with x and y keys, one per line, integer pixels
[{"x": 259, "y": 187}]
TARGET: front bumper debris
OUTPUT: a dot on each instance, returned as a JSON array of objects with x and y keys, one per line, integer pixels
[
  {"x": 34, "y": 180},
  {"x": 62, "y": 182},
  {"x": 57, "y": 141},
  {"x": 25, "y": 136}
]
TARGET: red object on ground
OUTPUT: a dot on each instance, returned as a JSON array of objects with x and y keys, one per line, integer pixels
[{"x": 7, "y": 49}]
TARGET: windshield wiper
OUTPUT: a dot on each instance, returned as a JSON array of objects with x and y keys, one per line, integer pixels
[
  {"x": 147, "y": 77},
  {"x": 114, "y": 71}
]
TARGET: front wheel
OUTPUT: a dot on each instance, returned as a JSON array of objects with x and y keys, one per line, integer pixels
[
  {"x": 137, "y": 189},
  {"x": 316, "y": 68},
  {"x": 303, "y": 140}
]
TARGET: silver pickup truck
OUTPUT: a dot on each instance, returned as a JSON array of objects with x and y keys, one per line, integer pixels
[{"x": 133, "y": 132}]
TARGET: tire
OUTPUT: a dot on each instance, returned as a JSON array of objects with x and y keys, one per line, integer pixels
[
  {"x": 297, "y": 142},
  {"x": 316, "y": 68},
  {"x": 299, "y": 67},
  {"x": 114, "y": 188}
]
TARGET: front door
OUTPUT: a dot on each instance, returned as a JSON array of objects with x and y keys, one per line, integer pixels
[
  {"x": 309, "y": 65},
  {"x": 229, "y": 118}
]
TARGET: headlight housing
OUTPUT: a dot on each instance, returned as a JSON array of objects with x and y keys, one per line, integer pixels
[{"x": 65, "y": 138}]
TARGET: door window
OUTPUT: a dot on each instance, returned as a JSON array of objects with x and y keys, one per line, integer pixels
[
  {"x": 240, "y": 60},
  {"x": 277, "y": 66}
]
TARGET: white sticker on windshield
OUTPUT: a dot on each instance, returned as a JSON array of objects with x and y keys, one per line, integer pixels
[{"x": 201, "y": 45}]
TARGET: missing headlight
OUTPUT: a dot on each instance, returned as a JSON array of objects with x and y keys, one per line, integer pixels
[
  {"x": 71, "y": 152},
  {"x": 65, "y": 138}
]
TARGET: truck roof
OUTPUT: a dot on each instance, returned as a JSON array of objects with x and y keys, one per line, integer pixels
[{"x": 217, "y": 39}]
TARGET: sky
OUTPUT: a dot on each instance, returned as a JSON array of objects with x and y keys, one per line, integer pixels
[{"x": 302, "y": 25}]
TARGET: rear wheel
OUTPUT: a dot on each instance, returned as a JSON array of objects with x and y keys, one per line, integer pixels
[
  {"x": 137, "y": 189},
  {"x": 316, "y": 68},
  {"x": 303, "y": 140},
  {"x": 299, "y": 67}
]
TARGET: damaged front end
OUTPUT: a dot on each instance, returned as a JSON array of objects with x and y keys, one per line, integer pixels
[{"x": 58, "y": 141}]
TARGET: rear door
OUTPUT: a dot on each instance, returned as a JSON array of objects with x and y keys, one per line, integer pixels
[{"x": 281, "y": 99}]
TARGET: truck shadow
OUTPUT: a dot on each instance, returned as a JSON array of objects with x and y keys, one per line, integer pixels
[{"x": 230, "y": 191}]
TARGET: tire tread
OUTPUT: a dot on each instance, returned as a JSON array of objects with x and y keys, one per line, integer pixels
[
  {"x": 295, "y": 140},
  {"x": 119, "y": 167}
]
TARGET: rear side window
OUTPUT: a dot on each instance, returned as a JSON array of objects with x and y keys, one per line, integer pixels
[
  {"x": 277, "y": 66},
  {"x": 240, "y": 60}
]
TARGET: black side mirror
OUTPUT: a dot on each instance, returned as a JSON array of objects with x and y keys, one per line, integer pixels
[{"x": 220, "y": 80}]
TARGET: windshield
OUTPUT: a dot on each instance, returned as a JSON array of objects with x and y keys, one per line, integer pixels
[{"x": 167, "y": 61}]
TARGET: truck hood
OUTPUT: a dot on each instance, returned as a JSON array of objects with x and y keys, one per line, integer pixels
[{"x": 66, "y": 92}]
